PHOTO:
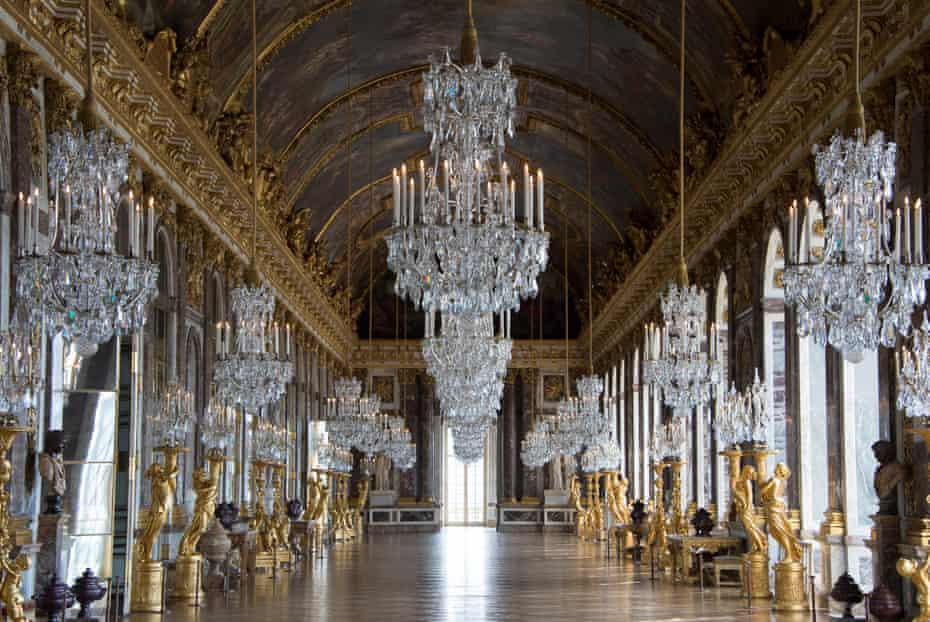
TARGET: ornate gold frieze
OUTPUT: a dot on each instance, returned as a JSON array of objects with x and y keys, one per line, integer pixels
[
  {"x": 169, "y": 138},
  {"x": 772, "y": 137}
]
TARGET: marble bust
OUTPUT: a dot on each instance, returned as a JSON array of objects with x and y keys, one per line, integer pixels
[{"x": 52, "y": 470}]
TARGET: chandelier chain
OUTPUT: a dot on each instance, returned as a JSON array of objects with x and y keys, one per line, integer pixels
[
  {"x": 254, "y": 133},
  {"x": 681, "y": 137}
]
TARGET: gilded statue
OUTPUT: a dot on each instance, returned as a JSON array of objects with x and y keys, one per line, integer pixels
[
  {"x": 321, "y": 504},
  {"x": 657, "y": 537},
  {"x": 919, "y": 574},
  {"x": 10, "y": 587},
  {"x": 52, "y": 470},
  {"x": 362, "y": 500},
  {"x": 382, "y": 472},
  {"x": 280, "y": 524},
  {"x": 616, "y": 498},
  {"x": 164, "y": 481},
  {"x": 205, "y": 489},
  {"x": 742, "y": 501},
  {"x": 581, "y": 514},
  {"x": 772, "y": 494}
]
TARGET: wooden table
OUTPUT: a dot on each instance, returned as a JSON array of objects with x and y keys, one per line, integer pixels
[{"x": 683, "y": 548}]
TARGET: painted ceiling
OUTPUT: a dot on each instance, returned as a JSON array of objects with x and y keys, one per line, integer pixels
[{"x": 332, "y": 70}]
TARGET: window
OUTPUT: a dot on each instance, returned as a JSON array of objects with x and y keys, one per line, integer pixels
[{"x": 464, "y": 488}]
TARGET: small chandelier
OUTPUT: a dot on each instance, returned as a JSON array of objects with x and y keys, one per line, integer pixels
[
  {"x": 172, "y": 416},
  {"x": 670, "y": 439},
  {"x": 468, "y": 439},
  {"x": 675, "y": 360},
  {"x": 353, "y": 419},
  {"x": 863, "y": 290},
  {"x": 913, "y": 365},
  {"x": 21, "y": 377},
  {"x": 335, "y": 458},
  {"x": 270, "y": 443},
  {"x": 745, "y": 416},
  {"x": 218, "y": 428},
  {"x": 536, "y": 448},
  {"x": 254, "y": 362}
]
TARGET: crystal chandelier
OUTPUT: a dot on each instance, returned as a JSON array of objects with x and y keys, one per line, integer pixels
[
  {"x": 335, "y": 458},
  {"x": 78, "y": 282},
  {"x": 745, "y": 415},
  {"x": 253, "y": 363},
  {"x": 218, "y": 428},
  {"x": 21, "y": 377},
  {"x": 675, "y": 361},
  {"x": 670, "y": 439},
  {"x": 536, "y": 448},
  {"x": 468, "y": 363},
  {"x": 863, "y": 290},
  {"x": 270, "y": 443},
  {"x": 456, "y": 245},
  {"x": 173, "y": 413},
  {"x": 353, "y": 419},
  {"x": 468, "y": 439},
  {"x": 913, "y": 365}
]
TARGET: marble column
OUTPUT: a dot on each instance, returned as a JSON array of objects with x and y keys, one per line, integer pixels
[
  {"x": 792, "y": 396},
  {"x": 508, "y": 444}
]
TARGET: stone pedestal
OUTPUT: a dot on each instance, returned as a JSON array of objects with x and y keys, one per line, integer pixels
[
  {"x": 756, "y": 576},
  {"x": 789, "y": 587},
  {"x": 886, "y": 536},
  {"x": 147, "y": 587},
  {"x": 51, "y": 536},
  {"x": 382, "y": 498},
  {"x": 557, "y": 498},
  {"x": 188, "y": 579}
]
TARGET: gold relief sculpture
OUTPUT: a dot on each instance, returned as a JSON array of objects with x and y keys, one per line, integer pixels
[
  {"x": 383, "y": 387},
  {"x": 617, "y": 487},
  {"x": 553, "y": 387},
  {"x": 919, "y": 574},
  {"x": 10, "y": 586}
]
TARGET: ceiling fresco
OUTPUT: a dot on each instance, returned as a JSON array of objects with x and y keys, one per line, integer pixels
[{"x": 332, "y": 70}]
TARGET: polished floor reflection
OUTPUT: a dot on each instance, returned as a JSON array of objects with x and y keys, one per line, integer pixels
[{"x": 472, "y": 574}]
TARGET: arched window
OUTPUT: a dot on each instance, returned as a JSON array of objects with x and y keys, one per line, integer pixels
[
  {"x": 812, "y": 403},
  {"x": 773, "y": 303}
]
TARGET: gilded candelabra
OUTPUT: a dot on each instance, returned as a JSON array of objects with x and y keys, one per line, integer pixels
[
  {"x": 789, "y": 572},
  {"x": 757, "y": 559},
  {"x": 657, "y": 538},
  {"x": 12, "y": 568},
  {"x": 279, "y": 521},
  {"x": 148, "y": 573},
  {"x": 362, "y": 487},
  {"x": 189, "y": 565},
  {"x": 679, "y": 523},
  {"x": 267, "y": 540},
  {"x": 317, "y": 504}
]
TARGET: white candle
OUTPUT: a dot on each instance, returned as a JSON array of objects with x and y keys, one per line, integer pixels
[
  {"x": 513, "y": 202},
  {"x": 445, "y": 187},
  {"x": 139, "y": 229},
  {"x": 529, "y": 204},
  {"x": 219, "y": 339},
  {"x": 151, "y": 228},
  {"x": 403, "y": 191},
  {"x": 505, "y": 191},
  {"x": 21, "y": 223},
  {"x": 907, "y": 230},
  {"x": 396, "y": 198},
  {"x": 540, "y": 198},
  {"x": 422, "y": 190},
  {"x": 919, "y": 232},
  {"x": 809, "y": 227},
  {"x": 28, "y": 219},
  {"x": 411, "y": 197},
  {"x": 288, "y": 341},
  {"x": 526, "y": 193},
  {"x": 897, "y": 235}
]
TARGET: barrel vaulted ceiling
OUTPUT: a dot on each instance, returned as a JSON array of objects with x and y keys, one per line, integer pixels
[{"x": 309, "y": 104}]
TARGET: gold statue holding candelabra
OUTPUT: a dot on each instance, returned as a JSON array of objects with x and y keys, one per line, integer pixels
[
  {"x": 657, "y": 537},
  {"x": 189, "y": 564},
  {"x": 582, "y": 516},
  {"x": 757, "y": 559},
  {"x": 789, "y": 572}
]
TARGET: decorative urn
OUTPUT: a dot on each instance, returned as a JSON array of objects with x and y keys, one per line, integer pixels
[
  {"x": 884, "y": 605},
  {"x": 215, "y": 546},
  {"x": 847, "y": 591},
  {"x": 87, "y": 589},
  {"x": 227, "y": 513},
  {"x": 54, "y": 599},
  {"x": 703, "y": 522}
]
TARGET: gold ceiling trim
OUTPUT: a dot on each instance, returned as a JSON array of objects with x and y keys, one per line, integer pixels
[
  {"x": 408, "y": 354},
  {"x": 619, "y": 117},
  {"x": 802, "y": 102},
  {"x": 735, "y": 17},
  {"x": 300, "y": 187},
  {"x": 207, "y": 22},
  {"x": 142, "y": 108},
  {"x": 514, "y": 154}
]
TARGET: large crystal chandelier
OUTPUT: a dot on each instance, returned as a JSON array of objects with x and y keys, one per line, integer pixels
[
  {"x": 863, "y": 290},
  {"x": 469, "y": 363},
  {"x": 253, "y": 363},
  {"x": 675, "y": 360},
  {"x": 468, "y": 439},
  {"x": 78, "y": 281},
  {"x": 457, "y": 245}
]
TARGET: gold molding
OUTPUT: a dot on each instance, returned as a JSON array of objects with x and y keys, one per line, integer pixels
[
  {"x": 408, "y": 354},
  {"x": 141, "y": 106},
  {"x": 204, "y": 27},
  {"x": 806, "y": 99}
]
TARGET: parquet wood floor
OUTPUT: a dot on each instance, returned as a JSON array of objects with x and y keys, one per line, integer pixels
[{"x": 473, "y": 574}]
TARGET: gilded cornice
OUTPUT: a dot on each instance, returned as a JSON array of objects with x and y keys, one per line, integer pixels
[
  {"x": 144, "y": 111},
  {"x": 407, "y": 354},
  {"x": 800, "y": 104}
]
